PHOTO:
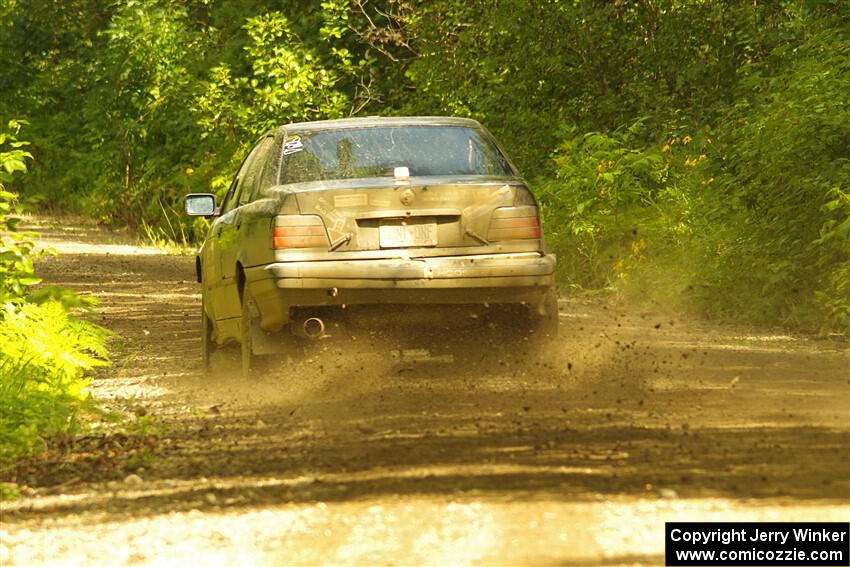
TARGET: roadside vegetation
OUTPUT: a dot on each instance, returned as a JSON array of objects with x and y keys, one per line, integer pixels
[
  {"x": 45, "y": 350},
  {"x": 688, "y": 153}
]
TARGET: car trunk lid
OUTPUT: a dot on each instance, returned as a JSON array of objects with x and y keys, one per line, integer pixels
[{"x": 377, "y": 214}]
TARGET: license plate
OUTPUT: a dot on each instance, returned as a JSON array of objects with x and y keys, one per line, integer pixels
[{"x": 408, "y": 233}]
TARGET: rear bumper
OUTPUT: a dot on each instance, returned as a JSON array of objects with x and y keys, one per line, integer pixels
[
  {"x": 485, "y": 278},
  {"x": 491, "y": 270}
]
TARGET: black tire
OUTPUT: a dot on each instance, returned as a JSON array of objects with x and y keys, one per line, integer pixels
[
  {"x": 546, "y": 318},
  {"x": 249, "y": 318},
  {"x": 539, "y": 332},
  {"x": 208, "y": 345}
]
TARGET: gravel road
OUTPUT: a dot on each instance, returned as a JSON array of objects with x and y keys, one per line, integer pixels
[{"x": 356, "y": 456}]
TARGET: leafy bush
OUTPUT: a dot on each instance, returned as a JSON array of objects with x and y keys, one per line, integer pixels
[
  {"x": 287, "y": 82},
  {"x": 609, "y": 199},
  {"x": 44, "y": 350},
  {"x": 749, "y": 221},
  {"x": 17, "y": 273},
  {"x": 777, "y": 210},
  {"x": 44, "y": 353}
]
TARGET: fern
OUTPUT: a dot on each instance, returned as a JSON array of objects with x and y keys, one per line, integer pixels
[{"x": 44, "y": 356}]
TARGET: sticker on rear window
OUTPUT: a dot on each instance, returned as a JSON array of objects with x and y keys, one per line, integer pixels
[{"x": 292, "y": 145}]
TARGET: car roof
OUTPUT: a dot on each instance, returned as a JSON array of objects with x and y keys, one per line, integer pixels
[{"x": 373, "y": 121}]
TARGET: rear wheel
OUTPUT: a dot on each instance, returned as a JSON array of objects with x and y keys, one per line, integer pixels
[
  {"x": 249, "y": 319},
  {"x": 539, "y": 332},
  {"x": 208, "y": 345},
  {"x": 545, "y": 325}
]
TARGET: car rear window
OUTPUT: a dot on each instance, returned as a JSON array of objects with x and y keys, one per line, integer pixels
[{"x": 376, "y": 152}]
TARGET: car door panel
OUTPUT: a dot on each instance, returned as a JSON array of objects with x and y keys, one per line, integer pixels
[{"x": 231, "y": 229}]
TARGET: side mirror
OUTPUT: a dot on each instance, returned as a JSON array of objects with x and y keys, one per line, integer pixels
[{"x": 199, "y": 204}]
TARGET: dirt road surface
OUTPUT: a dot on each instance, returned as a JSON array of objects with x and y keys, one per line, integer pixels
[{"x": 358, "y": 457}]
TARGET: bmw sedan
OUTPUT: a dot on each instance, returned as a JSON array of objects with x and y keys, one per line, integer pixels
[{"x": 418, "y": 229}]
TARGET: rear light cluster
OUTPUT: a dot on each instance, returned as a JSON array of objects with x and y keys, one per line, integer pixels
[
  {"x": 513, "y": 223},
  {"x": 299, "y": 231}
]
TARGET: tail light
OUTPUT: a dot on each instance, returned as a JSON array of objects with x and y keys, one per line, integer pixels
[
  {"x": 299, "y": 231},
  {"x": 513, "y": 223}
]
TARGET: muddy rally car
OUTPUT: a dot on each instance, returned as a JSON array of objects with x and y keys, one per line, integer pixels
[{"x": 415, "y": 230}]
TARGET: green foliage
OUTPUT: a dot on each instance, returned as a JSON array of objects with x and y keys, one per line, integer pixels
[
  {"x": 524, "y": 67},
  {"x": 17, "y": 273},
  {"x": 705, "y": 155},
  {"x": 44, "y": 351},
  {"x": 781, "y": 185},
  {"x": 606, "y": 199},
  {"x": 287, "y": 82}
]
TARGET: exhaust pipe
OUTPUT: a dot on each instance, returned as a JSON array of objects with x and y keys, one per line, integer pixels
[{"x": 313, "y": 328}]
